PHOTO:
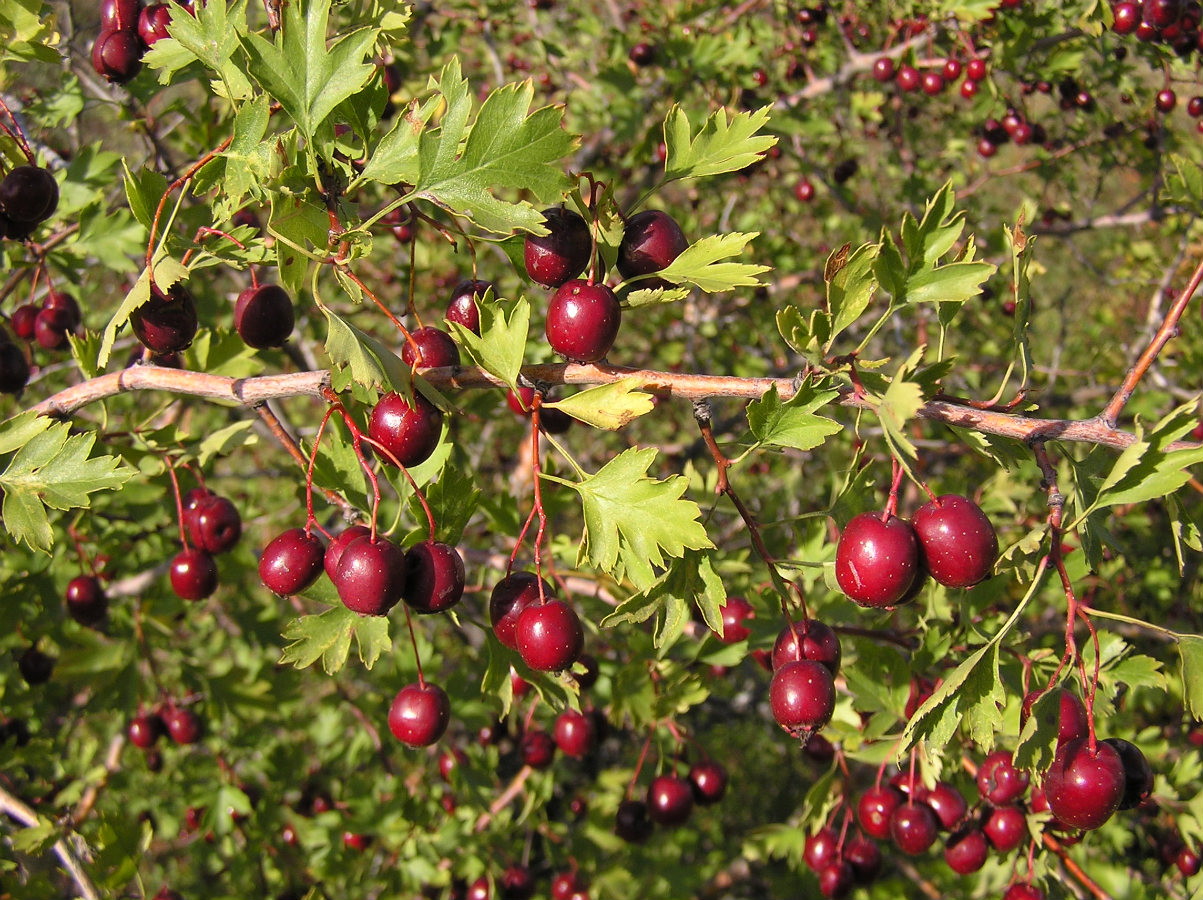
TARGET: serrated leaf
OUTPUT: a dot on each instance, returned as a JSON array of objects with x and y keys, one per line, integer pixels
[
  {"x": 901, "y": 402},
  {"x": 721, "y": 145},
  {"x": 1039, "y": 737},
  {"x": 652, "y": 296},
  {"x": 850, "y": 286},
  {"x": 793, "y": 423},
  {"x": 691, "y": 579},
  {"x": 957, "y": 281},
  {"x": 224, "y": 440},
  {"x": 210, "y": 34},
  {"x": 143, "y": 191},
  {"x": 54, "y": 469},
  {"x": 369, "y": 362},
  {"x": 395, "y": 158},
  {"x": 20, "y": 430},
  {"x": 166, "y": 273},
  {"x": 327, "y": 637},
  {"x": 500, "y": 347},
  {"x": 35, "y": 839},
  {"x": 308, "y": 77},
  {"x": 700, "y": 264},
  {"x": 1190, "y": 652},
  {"x": 804, "y": 336},
  {"x": 608, "y": 406},
  {"x": 507, "y": 146},
  {"x": 634, "y": 519}
]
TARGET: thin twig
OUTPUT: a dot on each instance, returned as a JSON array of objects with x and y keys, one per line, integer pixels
[{"x": 11, "y": 806}]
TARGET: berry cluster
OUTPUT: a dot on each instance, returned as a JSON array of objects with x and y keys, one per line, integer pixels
[
  {"x": 212, "y": 526},
  {"x": 127, "y": 30}
]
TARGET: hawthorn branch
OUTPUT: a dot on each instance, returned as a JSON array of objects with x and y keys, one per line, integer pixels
[
  {"x": 513, "y": 789},
  {"x": 683, "y": 386},
  {"x": 14, "y": 808},
  {"x": 1074, "y": 869}
]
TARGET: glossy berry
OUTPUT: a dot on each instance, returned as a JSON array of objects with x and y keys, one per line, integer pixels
[
  {"x": 28, "y": 195},
  {"x": 883, "y": 69},
  {"x": 975, "y": 69},
  {"x": 565, "y": 884},
  {"x": 907, "y": 78},
  {"x": 1138, "y": 775},
  {"x": 510, "y": 598},
  {"x": 632, "y": 823},
  {"x": 947, "y": 803},
  {"x": 419, "y": 714},
  {"x": 876, "y": 561},
  {"x": 875, "y": 807},
  {"x": 1084, "y": 789},
  {"x": 51, "y": 327},
  {"x": 370, "y": 577},
  {"x": 1188, "y": 862},
  {"x": 291, "y": 562},
  {"x": 802, "y": 696},
  {"x": 669, "y": 800},
  {"x": 193, "y": 574},
  {"x": 914, "y": 827},
  {"x": 353, "y": 840},
  {"x": 865, "y": 858},
  {"x": 957, "y": 541},
  {"x": 1194, "y": 107},
  {"x": 1127, "y": 17},
  {"x": 183, "y": 725},
  {"x": 583, "y": 321},
  {"x": 22, "y": 321},
  {"x": 708, "y": 779},
  {"x": 821, "y": 849},
  {"x": 734, "y": 612},
  {"x": 563, "y": 253},
  {"x": 642, "y": 54},
  {"x": 117, "y": 55},
  {"x": 538, "y": 749},
  {"x": 1072, "y": 722},
  {"x": 166, "y": 323},
  {"x": 263, "y": 316},
  {"x": 651, "y": 240},
  {"x": 999, "y": 781},
  {"x": 86, "y": 601},
  {"x": 66, "y": 302},
  {"x": 966, "y": 851},
  {"x": 214, "y": 524},
  {"x": 837, "y": 880},
  {"x": 480, "y": 889},
  {"x": 119, "y": 15},
  {"x": 462, "y": 307},
  {"x": 35, "y": 666},
  {"x": 808, "y": 639},
  {"x": 144, "y": 730},
  {"x": 409, "y": 433},
  {"x": 429, "y": 348},
  {"x": 804, "y": 190},
  {"x": 932, "y": 83},
  {"x": 153, "y": 22},
  {"x": 434, "y": 577},
  {"x": 340, "y": 543},
  {"x": 549, "y": 636},
  {"x": 1166, "y": 100},
  {"x": 1006, "y": 828},
  {"x": 574, "y": 733}
]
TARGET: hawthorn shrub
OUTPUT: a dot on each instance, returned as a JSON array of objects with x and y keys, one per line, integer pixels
[{"x": 600, "y": 449}]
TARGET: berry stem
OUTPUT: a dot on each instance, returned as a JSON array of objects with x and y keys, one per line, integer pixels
[
  {"x": 171, "y": 189},
  {"x": 413, "y": 640},
  {"x": 179, "y": 503}
]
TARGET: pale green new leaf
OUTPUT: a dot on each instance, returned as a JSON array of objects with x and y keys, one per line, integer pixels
[
  {"x": 395, "y": 158},
  {"x": 54, "y": 469},
  {"x": 507, "y": 146},
  {"x": 308, "y": 77},
  {"x": 634, "y": 520},
  {"x": 20, "y": 430},
  {"x": 793, "y": 423},
  {"x": 700, "y": 264},
  {"x": 804, "y": 336},
  {"x": 370, "y": 362},
  {"x": 502, "y": 341},
  {"x": 722, "y": 144},
  {"x": 608, "y": 406},
  {"x": 653, "y": 296},
  {"x": 167, "y": 272},
  {"x": 851, "y": 283},
  {"x": 957, "y": 281},
  {"x": 902, "y": 401}
]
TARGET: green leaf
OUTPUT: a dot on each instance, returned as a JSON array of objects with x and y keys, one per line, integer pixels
[
  {"x": 901, "y": 402},
  {"x": 637, "y": 296},
  {"x": 804, "y": 336},
  {"x": 794, "y": 422},
  {"x": 327, "y": 636},
  {"x": 721, "y": 145},
  {"x": 691, "y": 579},
  {"x": 700, "y": 264},
  {"x": 508, "y": 146},
  {"x": 143, "y": 191},
  {"x": 1184, "y": 182},
  {"x": 369, "y": 362},
  {"x": 54, "y": 469},
  {"x": 851, "y": 283},
  {"x": 608, "y": 406},
  {"x": 306, "y": 76},
  {"x": 1190, "y": 652},
  {"x": 956, "y": 281},
  {"x": 166, "y": 273},
  {"x": 210, "y": 35},
  {"x": 502, "y": 341},
  {"x": 634, "y": 519},
  {"x": 20, "y": 430},
  {"x": 395, "y": 158}
]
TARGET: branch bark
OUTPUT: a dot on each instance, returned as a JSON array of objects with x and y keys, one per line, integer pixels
[
  {"x": 14, "y": 808},
  {"x": 683, "y": 386}
]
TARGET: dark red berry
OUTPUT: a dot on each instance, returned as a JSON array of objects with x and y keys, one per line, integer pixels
[
  {"x": 669, "y": 800},
  {"x": 263, "y": 316},
  {"x": 999, "y": 781},
  {"x": 875, "y": 808},
  {"x": 1005, "y": 828},
  {"x": 865, "y": 858},
  {"x": 563, "y": 253},
  {"x": 651, "y": 240},
  {"x": 642, "y": 54},
  {"x": 549, "y": 636},
  {"x": 1085, "y": 788},
  {"x": 876, "y": 561},
  {"x": 821, "y": 849},
  {"x": 409, "y": 433},
  {"x": 947, "y": 803},
  {"x": 734, "y": 612},
  {"x": 14, "y": 368},
  {"x": 50, "y": 328},
  {"x": 145, "y": 729},
  {"x": 966, "y": 851},
  {"x": 434, "y": 577},
  {"x": 583, "y": 321},
  {"x": 28, "y": 195},
  {"x": 86, "y": 600},
  {"x": 214, "y": 524},
  {"x": 913, "y": 827},
  {"x": 117, "y": 55},
  {"x": 1072, "y": 714},
  {"x": 1138, "y": 774},
  {"x": 883, "y": 69},
  {"x": 193, "y": 574},
  {"x": 419, "y": 714},
  {"x": 538, "y": 749},
  {"x": 183, "y": 725},
  {"x": 292, "y": 561},
  {"x": 370, "y": 577},
  {"x": 153, "y": 22},
  {"x": 462, "y": 307},
  {"x": 802, "y": 696},
  {"x": 574, "y": 733},
  {"x": 23, "y": 319},
  {"x": 119, "y": 15},
  {"x": 517, "y": 883},
  {"x": 35, "y": 666},
  {"x": 430, "y": 348},
  {"x": 632, "y": 823},
  {"x": 166, "y": 323},
  {"x": 340, "y": 543},
  {"x": 510, "y": 598},
  {"x": 709, "y": 781},
  {"x": 808, "y": 639},
  {"x": 957, "y": 541}
]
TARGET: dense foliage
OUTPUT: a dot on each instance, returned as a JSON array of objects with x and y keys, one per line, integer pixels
[{"x": 877, "y": 319}]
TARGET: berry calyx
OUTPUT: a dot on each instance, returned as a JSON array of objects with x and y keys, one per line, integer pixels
[
  {"x": 876, "y": 561},
  {"x": 291, "y": 562},
  {"x": 583, "y": 320},
  {"x": 408, "y": 432},
  {"x": 434, "y": 577},
  {"x": 419, "y": 714},
  {"x": 957, "y": 541},
  {"x": 561, "y": 254},
  {"x": 549, "y": 636}
]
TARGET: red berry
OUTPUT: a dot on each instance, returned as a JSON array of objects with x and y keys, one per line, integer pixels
[
  {"x": 86, "y": 600},
  {"x": 370, "y": 577},
  {"x": 913, "y": 827},
  {"x": 193, "y": 575},
  {"x": 875, "y": 808},
  {"x": 430, "y": 348},
  {"x": 966, "y": 851},
  {"x": 183, "y": 725},
  {"x": 669, "y": 800},
  {"x": 407, "y": 432},
  {"x": 956, "y": 540},
  {"x": 538, "y": 749},
  {"x": 563, "y": 253},
  {"x": 876, "y": 561},
  {"x": 144, "y": 730},
  {"x": 734, "y": 612},
  {"x": 419, "y": 714},
  {"x": 821, "y": 849},
  {"x": 1085, "y": 788},
  {"x": 549, "y": 636},
  {"x": 709, "y": 781},
  {"x": 574, "y": 733},
  {"x": 291, "y": 562},
  {"x": 1006, "y": 827},
  {"x": 808, "y": 639},
  {"x": 462, "y": 307},
  {"x": 631, "y": 822},
  {"x": 510, "y": 598},
  {"x": 802, "y": 696},
  {"x": 583, "y": 321},
  {"x": 263, "y": 316},
  {"x": 651, "y": 240},
  {"x": 999, "y": 781},
  {"x": 434, "y": 577}
]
